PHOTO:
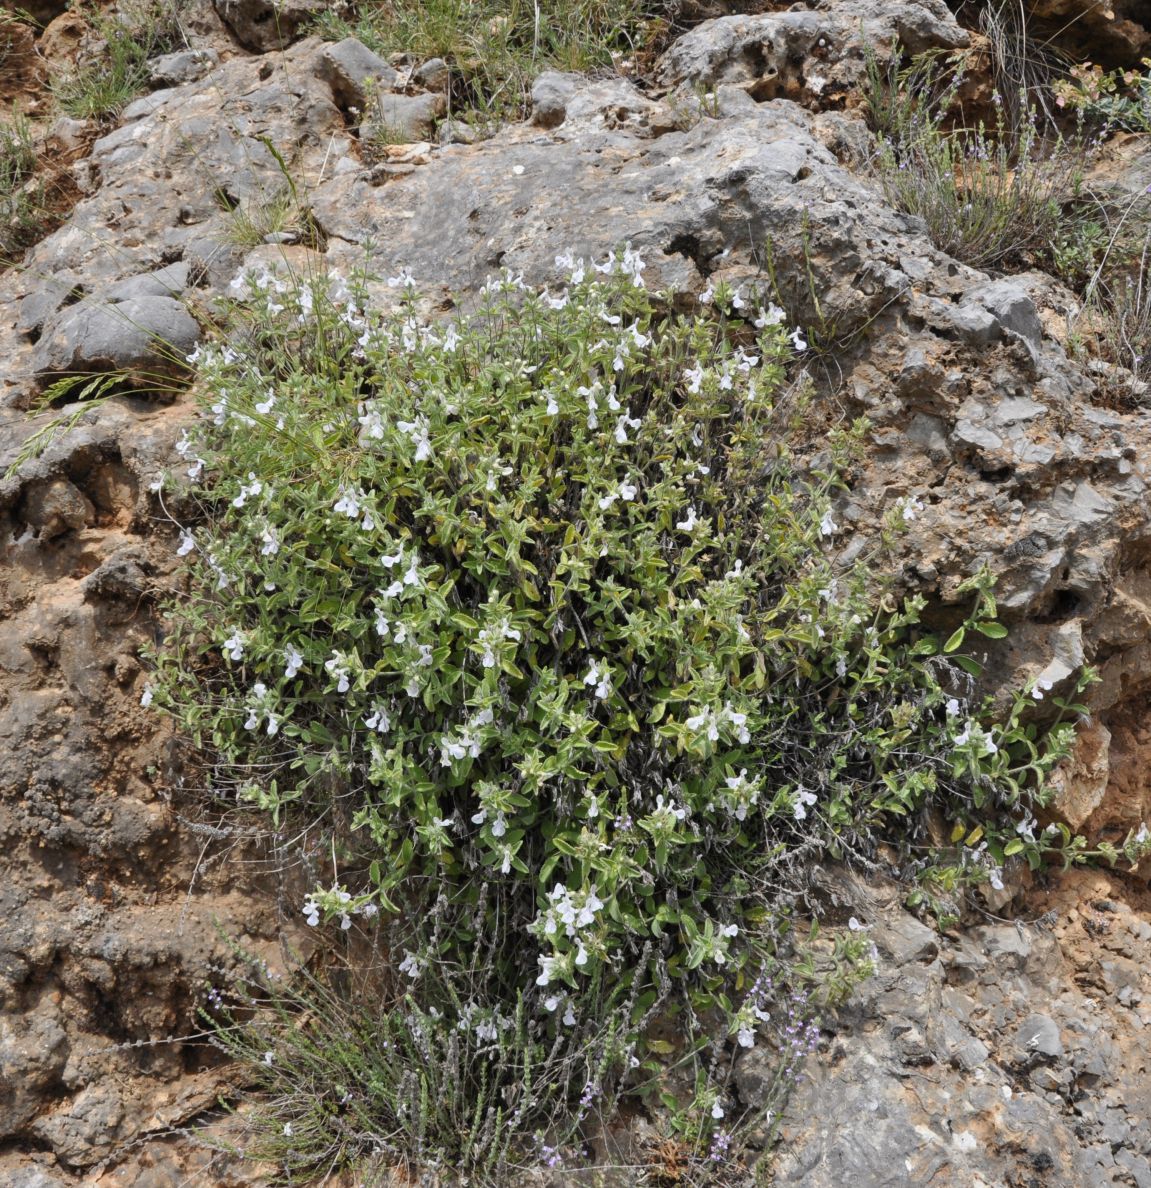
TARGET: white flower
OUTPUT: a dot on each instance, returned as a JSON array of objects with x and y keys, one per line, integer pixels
[
  {"x": 348, "y": 502},
  {"x": 311, "y": 911},
  {"x": 739, "y": 721},
  {"x": 549, "y": 967},
  {"x": 234, "y": 646},
  {"x": 187, "y": 544},
  {"x": 717, "y": 1110},
  {"x": 803, "y": 801},
  {"x": 410, "y": 964},
  {"x": 247, "y": 491},
  {"x": 951, "y": 709},
  {"x": 418, "y": 431},
  {"x": 746, "y": 1036},
  {"x": 402, "y": 279},
  {"x": 146, "y": 696},
  {"x": 669, "y": 808},
  {"x": 772, "y": 316},
  {"x": 269, "y": 1057},
  {"x": 371, "y": 422},
  {"x": 797, "y": 339},
  {"x": 288, "y": 1129},
  {"x": 294, "y": 661},
  {"x": 828, "y": 526},
  {"x": 855, "y": 925},
  {"x": 688, "y": 524},
  {"x": 1041, "y": 685},
  {"x": 264, "y": 407},
  {"x": 694, "y": 376},
  {"x": 911, "y": 508},
  {"x": 995, "y": 878},
  {"x": 271, "y": 543},
  {"x": 338, "y": 667},
  {"x": 601, "y": 680},
  {"x": 378, "y": 720},
  {"x": 196, "y": 469},
  {"x": 623, "y": 424}
]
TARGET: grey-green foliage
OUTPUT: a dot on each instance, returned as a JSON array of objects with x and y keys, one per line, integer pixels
[
  {"x": 992, "y": 196},
  {"x": 535, "y": 597},
  {"x": 531, "y": 614}
]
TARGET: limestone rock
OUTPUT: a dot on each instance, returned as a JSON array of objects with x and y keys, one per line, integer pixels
[
  {"x": 805, "y": 54},
  {"x": 354, "y": 73},
  {"x": 551, "y": 93},
  {"x": 147, "y": 336},
  {"x": 402, "y": 119},
  {"x": 185, "y": 66},
  {"x": 264, "y": 25}
]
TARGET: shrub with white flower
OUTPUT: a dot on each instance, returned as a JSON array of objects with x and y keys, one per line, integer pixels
[{"x": 538, "y": 598}]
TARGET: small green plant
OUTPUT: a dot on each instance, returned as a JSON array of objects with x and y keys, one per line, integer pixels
[
  {"x": 496, "y": 48},
  {"x": 22, "y": 193},
  {"x": 104, "y": 83},
  {"x": 1117, "y": 99},
  {"x": 992, "y": 197}
]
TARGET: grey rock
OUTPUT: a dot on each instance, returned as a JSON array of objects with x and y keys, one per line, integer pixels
[
  {"x": 184, "y": 66},
  {"x": 264, "y": 25},
  {"x": 1010, "y": 304},
  {"x": 71, "y": 134},
  {"x": 1135, "y": 1165},
  {"x": 169, "y": 281},
  {"x": 968, "y": 433},
  {"x": 50, "y": 295},
  {"x": 143, "y": 335},
  {"x": 87, "y": 1128},
  {"x": 355, "y": 74},
  {"x": 457, "y": 132},
  {"x": 1007, "y": 947},
  {"x": 146, "y": 105},
  {"x": 804, "y": 54},
  {"x": 1040, "y": 1034},
  {"x": 551, "y": 94},
  {"x": 403, "y": 119},
  {"x": 1016, "y": 409},
  {"x": 970, "y": 1054},
  {"x": 755, "y": 1075},
  {"x": 56, "y": 506},
  {"x": 904, "y": 939},
  {"x": 36, "y": 1177},
  {"x": 433, "y": 75}
]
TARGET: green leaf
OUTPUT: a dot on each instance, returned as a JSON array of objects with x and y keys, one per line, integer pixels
[
  {"x": 969, "y": 666},
  {"x": 992, "y": 629},
  {"x": 955, "y": 640}
]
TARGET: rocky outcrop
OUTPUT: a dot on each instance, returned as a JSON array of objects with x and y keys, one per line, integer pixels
[
  {"x": 1016, "y": 1053},
  {"x": 979, "y": 419}
]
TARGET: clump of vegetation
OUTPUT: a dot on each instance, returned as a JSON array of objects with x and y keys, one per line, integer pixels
[
  {"x": 991, "y": 196},
  {"x": 22, "y": 193},
  {"x": 495, "y": 49},
  {"x": 105, "y": 82},
  {"x": 529, "y": 619},
  {"x": 1116, "y": 99}
]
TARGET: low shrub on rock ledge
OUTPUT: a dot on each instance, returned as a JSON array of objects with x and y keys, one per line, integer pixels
[{"x": 529, "y": 616}]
